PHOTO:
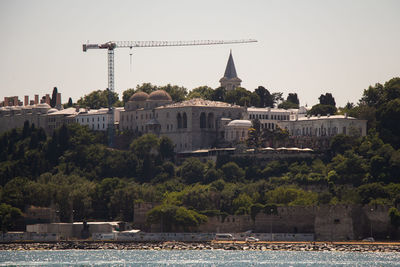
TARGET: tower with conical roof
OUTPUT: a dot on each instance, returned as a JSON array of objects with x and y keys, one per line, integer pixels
[{"x": 230, "y": 80}]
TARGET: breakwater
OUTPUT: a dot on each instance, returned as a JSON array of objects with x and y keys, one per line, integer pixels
[{"x": 256, "y": 246}]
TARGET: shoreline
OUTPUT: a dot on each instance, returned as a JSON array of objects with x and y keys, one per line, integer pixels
[{"x": 221, "y": 245}]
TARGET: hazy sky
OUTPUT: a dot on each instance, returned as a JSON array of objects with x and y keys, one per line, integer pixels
[{"x": 309, "y": 47}]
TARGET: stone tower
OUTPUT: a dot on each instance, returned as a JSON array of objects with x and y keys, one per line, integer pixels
[{"x": 230, "y": 80}]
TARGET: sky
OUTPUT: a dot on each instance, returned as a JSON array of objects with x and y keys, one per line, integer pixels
[{"x": 310, "y": 47}]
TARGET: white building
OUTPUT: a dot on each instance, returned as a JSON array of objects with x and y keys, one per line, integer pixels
[
  {"x": 268, "y": 117},
  {"x": 237, "y": 130},
  {"x": 95, "y": 119},
  {"x": 315, "y": 131}
]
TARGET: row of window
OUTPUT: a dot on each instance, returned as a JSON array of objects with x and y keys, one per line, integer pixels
[
  {"x": 87, "y": 119},
  {"x": 267, "y": 117}
]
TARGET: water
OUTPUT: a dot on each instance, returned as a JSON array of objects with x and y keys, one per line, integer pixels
[{"x": 194, "y": 258}]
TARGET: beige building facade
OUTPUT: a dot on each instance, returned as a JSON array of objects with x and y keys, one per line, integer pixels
[{"x": 191, "y": 124}]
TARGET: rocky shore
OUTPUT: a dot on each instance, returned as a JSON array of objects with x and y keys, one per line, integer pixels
[{"x": 260, "y": 246}]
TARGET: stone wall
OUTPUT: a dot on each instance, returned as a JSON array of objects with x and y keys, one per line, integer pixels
[{"x": 327, "y": 222}]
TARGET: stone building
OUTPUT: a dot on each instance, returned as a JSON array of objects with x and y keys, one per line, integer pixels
[
  {"x": 230, "y": 80},
  {"x": 191, "y": 124}
]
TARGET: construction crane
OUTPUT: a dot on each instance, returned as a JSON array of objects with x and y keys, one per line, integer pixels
[{"x": 111, "y": 45}]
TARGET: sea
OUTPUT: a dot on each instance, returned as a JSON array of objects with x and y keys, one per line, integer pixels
[{"x": 194, "y": 258}]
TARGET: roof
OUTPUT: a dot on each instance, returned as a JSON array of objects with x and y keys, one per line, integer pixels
[
  {"x": 331, "y": 117},
  {"x": 240, "y": 123},
  {"x": 65, "y": 112},
  {"x": 230, "y": 71},
  {"x": 139, "y": 96},
  {"x": 253, "y": 109},
  {"x": 159, "y": 95},
  {"x": 198, "y": 102}
]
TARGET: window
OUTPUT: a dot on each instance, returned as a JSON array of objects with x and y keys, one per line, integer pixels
[
  {"x": 210, "y": 120},
  {"x": 184, "y": 120},
  {"x": 179, "y": 120},
  {"x": 202, "y": 120}
]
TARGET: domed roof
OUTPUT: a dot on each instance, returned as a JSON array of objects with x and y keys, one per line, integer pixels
[
  {"x": 43, "y": 105},
  {"x": 240, "y": 123},
  {"x": 139, "y": 96},
  {"x": 52, "y": 110},
  {"x": 160, "y": 95}
]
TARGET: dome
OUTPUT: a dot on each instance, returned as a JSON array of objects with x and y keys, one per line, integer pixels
[
  {"x": 160, "y": 95},
  {"x": 139, "y": 96},
  {"x": 43, "y": 105},
  {"x": 52, "y": 110},
  {"x": 240, "y": 123}
]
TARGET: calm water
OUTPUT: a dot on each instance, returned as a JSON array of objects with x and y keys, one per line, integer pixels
[{"x": 194, "y": 258}]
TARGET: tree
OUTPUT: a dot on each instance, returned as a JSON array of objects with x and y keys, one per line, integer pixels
[
  {"x": 172, "y": 217},
  {"x": 177, "y": 93},
  {"x": 266, "y": 99},
  {"x": 219, "y": 94},
  {"x": 288, "y": 105},
  {"x": 277, "y": 98},
  {"x": 166, "y": 148},
  {"x": 203, "y": 92},
  {"x": 192, "y": 170},
  {"x": 145, "y": 145},
  {"x": 53, "y": 100},
  {"x": 127, "y": 94},
  {"x": 327, "y": 99},
  {"x": 98, "y": 99},
  {"x": 388, "y": 122},
  {"x": 70, "y": 103},
  {"x": 232, "y": 172},
  {"x": 292, "y": 97},
  {"x": 9, "y": 216},
  {"x": 323, "y": 110}
]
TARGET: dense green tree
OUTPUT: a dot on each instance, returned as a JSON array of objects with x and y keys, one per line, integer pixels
[
  {"x": 53, "y": 99},
  {"x": 70, "y": 103},
  {"x": 266, "y": 99},
  {"x": 327, "y": 99},
  {"x": 322, "y": 110},
  {"x": 98, "y": 99},
  {"x": 172, "y": 218},
  {"x": 177, "y": 93},
  {"x": 219, "y": 94},
  {"x": 203, "y": 92},
  {"x": 166, "y": 148},
  {"x": 9, "y": 216},
  {"x": 192, "y": 171},
  {"x": 232, "y": 172}
]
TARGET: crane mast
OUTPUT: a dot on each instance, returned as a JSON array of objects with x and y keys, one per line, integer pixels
[{"x": 112, "y": 45}]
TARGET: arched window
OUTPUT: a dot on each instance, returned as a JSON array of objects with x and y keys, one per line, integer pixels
[
  {"x": 202, "y": 120},
  {"x": 184, "y": 120},
  {"x": 210, "y": 120},
  {"x": 179, "y": 119}
]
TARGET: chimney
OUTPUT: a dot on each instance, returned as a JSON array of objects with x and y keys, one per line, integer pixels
[
  {"x": 319, "y": 115},
  {"x": 77, "y": 108},
  {"x": 36, "y": 99},
  {"x": 345, "y": 115},
  {"x": 47, "y": 99},
  {"x": 15, "y": 100},
  {"x": 26, "y": 100},
  {"x": 5, "y": 101},
  {"x": 328, "y": 115},
  {"x": 58, "y": 101}
]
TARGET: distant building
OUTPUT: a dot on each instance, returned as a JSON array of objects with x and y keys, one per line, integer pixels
[
  {"x": 191, "y": 124},
  {"x": 316, "y": 131},
  {"x": 230, "y": 81}
]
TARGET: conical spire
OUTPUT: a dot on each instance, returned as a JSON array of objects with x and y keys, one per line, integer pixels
[{"x": 230, "y": 71}]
